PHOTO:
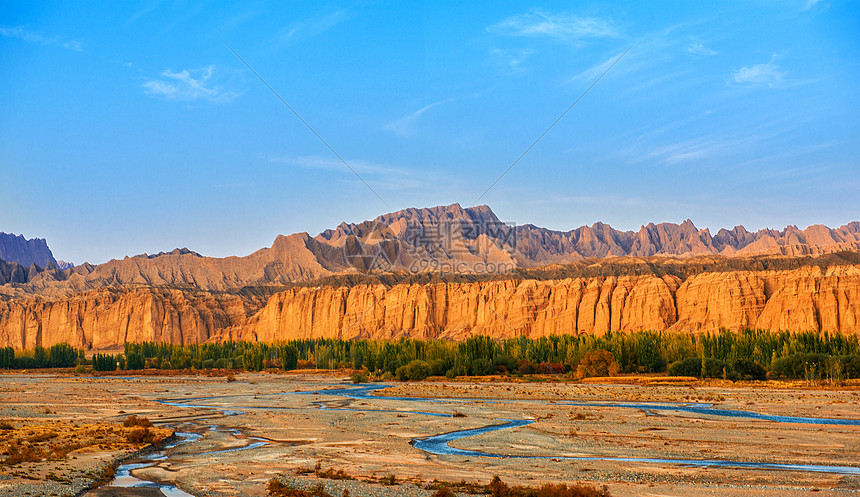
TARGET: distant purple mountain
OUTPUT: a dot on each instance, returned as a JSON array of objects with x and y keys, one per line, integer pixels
[{"x": 16, "y": 248}]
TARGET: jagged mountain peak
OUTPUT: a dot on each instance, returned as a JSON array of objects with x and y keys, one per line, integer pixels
[
  {"x": 16, "y": 248},
  {"x": 470, "y": 239}
]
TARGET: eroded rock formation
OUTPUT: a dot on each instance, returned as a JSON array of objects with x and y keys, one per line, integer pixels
[
  {"x": 806, "y": 298},
  {"x": 110, "y": 317}
]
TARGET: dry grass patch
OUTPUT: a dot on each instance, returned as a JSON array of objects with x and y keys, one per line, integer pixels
[{"x": 38, "y": 441}]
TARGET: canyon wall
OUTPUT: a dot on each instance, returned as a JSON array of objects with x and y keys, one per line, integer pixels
[
  {"x": 807, "y": 298},
  {"x": 110, "y": 317}
]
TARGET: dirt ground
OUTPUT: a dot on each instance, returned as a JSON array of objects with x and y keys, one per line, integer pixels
[{"x": 259, "y": 427}]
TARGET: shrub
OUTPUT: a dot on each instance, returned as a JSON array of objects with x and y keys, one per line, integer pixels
[
  {"x": 688, "y": 367},
  {"x": 714, "y": 368},
  {"x": 359, "y": 378},
  {"x": 136, "y": 421},
  {"x": 444, "y": 492},
  {"x": 416, "y": 370},
  {"x": 139, "y": 434},
  {"x": 748, "y": 370},
  {"x": 525, "y": 366},
  {"x": 597, "y": 363},
  {"x": 500, "y": 489},
  {"x": 851, "y": 366},
  {"x": 438, "y": 367},
  {"x": 481, "y": 367},
  {"x": 25, "y": 362},
  {"x": 276, "y": 488},
  {"x": 694, "y": 366},
  {"x": 800, "y": 366}
]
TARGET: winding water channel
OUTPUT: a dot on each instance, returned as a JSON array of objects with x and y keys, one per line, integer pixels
[{"x": 192, "y": 431}]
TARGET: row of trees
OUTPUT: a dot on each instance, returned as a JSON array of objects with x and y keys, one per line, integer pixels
[
  {"x": 737, "y": 355},
  {"x": 723, "y": 354},
  {"x": 61, "y": 355}
]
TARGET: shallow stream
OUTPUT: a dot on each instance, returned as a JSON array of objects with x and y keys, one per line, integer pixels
[{"x": 191, "y": 432}]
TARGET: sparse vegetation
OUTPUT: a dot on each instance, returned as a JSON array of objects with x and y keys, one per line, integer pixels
[
  {"x": 388, "y": 480},
  {"x": 54, "y": 440},
  {"x": 137, "y": 421},
  {"x": 501, "y": 489},
  {"x": 329, "y": 474},
  {"x": 497, "y": 488},
  {"x": 277, "y": 488}
]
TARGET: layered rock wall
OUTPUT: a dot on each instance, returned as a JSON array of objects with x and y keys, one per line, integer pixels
[
  {"x": 108, "y": 318},
  {"x": 798, "y": 300},
  {"x": 808, "y": 298}
]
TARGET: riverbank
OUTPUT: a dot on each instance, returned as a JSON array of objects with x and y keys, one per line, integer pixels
[
  {"x": 627, "y": 436},
  {"x": 45, "y": 456}
]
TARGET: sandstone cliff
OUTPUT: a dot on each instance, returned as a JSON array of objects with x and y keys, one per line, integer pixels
[
  {"x": 809, "y": 297},
  {"x": 110, "y": 317}
]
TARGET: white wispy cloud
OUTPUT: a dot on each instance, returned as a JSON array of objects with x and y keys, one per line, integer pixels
[
  {"x": 35, "y": 37},
  {"x": 311, "y": 27},
  {"x": 594, "y": 71},
  {"x": 332, "y": 164},
  {"x": 809, "y": 4},
  {"x": 74, "y": 45},
  {"x": 697, "y": 48},
  {"x": 189, "y": 85},
  {"x": 513, "y": 58},
  {"x": 404, "y": 126},
  {"x": 23, "y": 34},
  {"x": 379, "y": 175},
  {"x": 149, "y": 7},
  {"x": 759, "y": 74},
  {"x": 706, "y": 147},
  {"x": 563, "y": 27}
]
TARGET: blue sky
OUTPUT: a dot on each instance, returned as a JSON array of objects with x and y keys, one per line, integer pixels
[{"x": 131, "y": 127}]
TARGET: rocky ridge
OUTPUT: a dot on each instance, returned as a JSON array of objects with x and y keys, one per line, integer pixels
[
  {"x": 446, "y": 238},
  {"x": 382, "y": 278},
  {"x": 652, "y": 293},
  {"x": 16, "y": 248}
]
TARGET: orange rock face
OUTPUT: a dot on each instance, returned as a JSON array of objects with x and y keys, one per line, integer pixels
[
  {"x": 109, "y": 318},
  {"x": 798, "y": 300},
  {"x": 807, "y": 298}
]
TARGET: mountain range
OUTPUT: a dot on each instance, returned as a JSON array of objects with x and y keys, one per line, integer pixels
[
  {"x": 445, "y": 238},
  {"x": 443, "y": 272}
]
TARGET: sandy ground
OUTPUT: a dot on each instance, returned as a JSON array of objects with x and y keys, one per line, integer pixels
[{"x": 370, "y": 438}]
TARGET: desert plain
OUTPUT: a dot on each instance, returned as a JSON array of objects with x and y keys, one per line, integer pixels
[{"x": 632, "y": 435}]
